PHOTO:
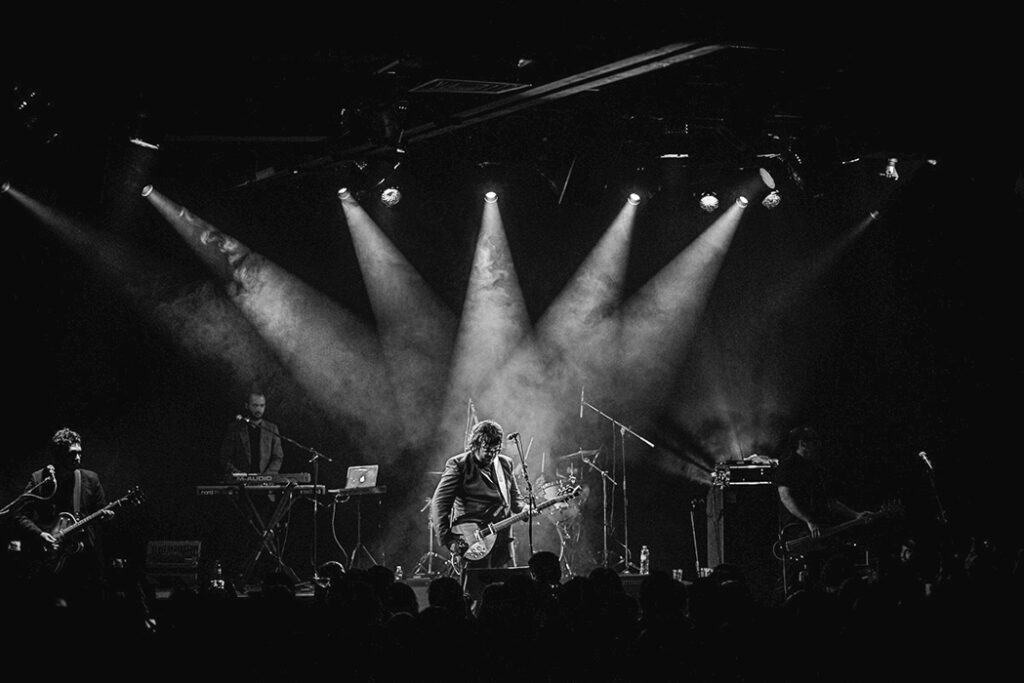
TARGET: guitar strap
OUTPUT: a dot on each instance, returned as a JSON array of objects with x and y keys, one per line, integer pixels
[
  {"x": 499, "y": 474},
  {"x": 76, "y": 498}
]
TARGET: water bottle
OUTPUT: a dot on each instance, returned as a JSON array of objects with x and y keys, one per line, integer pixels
[
  {"x": 645, "y": 560},
  {"x": 217, "y": 580},
  {"x": 398, "y": 573}
]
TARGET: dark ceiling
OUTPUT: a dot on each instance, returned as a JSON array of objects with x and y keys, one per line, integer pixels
[{"x": 510, "y": 87}]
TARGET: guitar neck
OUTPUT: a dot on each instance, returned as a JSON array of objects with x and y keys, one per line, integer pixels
[
  {"x": 89, "y": 519},
  {"x": 520, "y": 516}
]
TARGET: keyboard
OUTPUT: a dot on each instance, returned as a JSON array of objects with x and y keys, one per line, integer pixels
[
  {"x": 235, "y": 489},
  {"x": 275, "y": 478}
]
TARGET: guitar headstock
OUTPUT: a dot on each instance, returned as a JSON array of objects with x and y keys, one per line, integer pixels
[
  {"x": 135, "y": 496},
  {"x": 891, "y": 508},
  {"x": 569, "y": 491}
]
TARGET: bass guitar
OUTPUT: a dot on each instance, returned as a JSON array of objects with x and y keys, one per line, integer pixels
[
  {"x": 478, "y": 539},
  {"x": 852, "y": 532},
  {"x": 67, "y": 530}
]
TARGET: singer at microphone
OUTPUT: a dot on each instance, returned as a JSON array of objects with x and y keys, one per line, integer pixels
[
  {"x": 478, "y": 486},
  {"x": 75, "y": 490},
  {"x": 251, "y": 443}
]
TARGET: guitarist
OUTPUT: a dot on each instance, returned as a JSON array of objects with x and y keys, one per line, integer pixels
[
  {"x": 809, "y": 507},
  {"x": 803, "y": 485},
  {"x": 75, "y": 490},
  {"x": 477, "y": 484}
]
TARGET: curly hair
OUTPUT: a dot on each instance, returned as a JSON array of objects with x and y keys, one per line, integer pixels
[
  {"x": 64, "y": 439},
  {"x": 485, "y": 433}
]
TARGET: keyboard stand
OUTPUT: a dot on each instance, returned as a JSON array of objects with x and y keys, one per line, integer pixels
[
  {"x": 268, "y": 536},
  {"x": 359, "y": 536}
]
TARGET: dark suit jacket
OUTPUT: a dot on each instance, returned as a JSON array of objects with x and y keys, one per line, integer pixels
[
  {"x": 41, "y": 515},
  {"x": 234, "y": 451},
  {"x": 465, "y": 491}
]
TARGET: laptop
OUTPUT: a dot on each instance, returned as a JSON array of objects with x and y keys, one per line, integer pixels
[{"x": 361, "y": 477}]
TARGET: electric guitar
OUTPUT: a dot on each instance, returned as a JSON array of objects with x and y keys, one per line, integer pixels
[
  {"x": 478, "y": 539},
  {"x": 849, "y": 532},
  {"x": 66, "y": 531}
]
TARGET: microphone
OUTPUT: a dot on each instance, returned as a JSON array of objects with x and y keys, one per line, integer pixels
[
  {"x": 513, "y": 436},
  {"x": 50, "y": 473},
  {"x": 581, "y": 402},
  {"x": 924, "y": 456}
]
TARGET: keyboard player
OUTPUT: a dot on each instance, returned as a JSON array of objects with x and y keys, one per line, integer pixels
[{"x": 251, "y": 443}]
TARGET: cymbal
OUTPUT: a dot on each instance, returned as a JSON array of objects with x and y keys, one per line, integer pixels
[{"x": 577, "y": 454}]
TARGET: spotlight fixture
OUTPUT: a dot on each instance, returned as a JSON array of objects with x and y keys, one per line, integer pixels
[
  {"x": 633, "y": 198},
  {"x": 771, "y": 200},
  {"x": 708, "y": 201},
  {"x": 890, "y": 170},
  {"x": 490, "y": 196},
  {"x": 343, "y": 193},
  {"x": 4, "y": 188},
  {"x": 742, "y": 201},
  {"x": 147, "y": 190},
  {"x": 874, "y": 215},
  {"x": 390, "y": 196},
  {"x": 767, "y": 178}
]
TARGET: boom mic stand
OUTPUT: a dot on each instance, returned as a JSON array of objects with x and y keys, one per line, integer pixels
[
  {"x": 24, "y": 497},
  {"x": 694, "y": 503},
  {"x": 623, "y": 429},
  {"x": 315, "y": 457}
]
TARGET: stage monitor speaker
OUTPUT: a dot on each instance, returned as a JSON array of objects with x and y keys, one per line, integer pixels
[
  {"x": 421, "y": 587},
  {"x": 172, "y": 565},
  {"x": 742, "y": 528},
  {"x": 631, "y": 584},
  {"x": 476, "y": 580}
]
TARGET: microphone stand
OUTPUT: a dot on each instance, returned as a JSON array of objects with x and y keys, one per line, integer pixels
[
  {"x": 529, "y": 489},
  {"x": 625, "y": 498},
  {"x": 315, "y": 457},
  {"x": 23, "y": 497},
  {"x": 694, "y": 502},
  {"x": 935, "y": 492},
  {"x": 604, "y": 505}
]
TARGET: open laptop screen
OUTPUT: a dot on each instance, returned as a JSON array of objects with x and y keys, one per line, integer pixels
[{"x": 361, "y": 476}]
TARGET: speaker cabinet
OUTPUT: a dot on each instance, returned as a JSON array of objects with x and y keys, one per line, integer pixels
[{"x": 743, "y": 526}]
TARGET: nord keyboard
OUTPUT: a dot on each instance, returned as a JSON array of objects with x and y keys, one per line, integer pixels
[
  {"x": 277, "y": 478},
  {"x": 235, "y": 489}
]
